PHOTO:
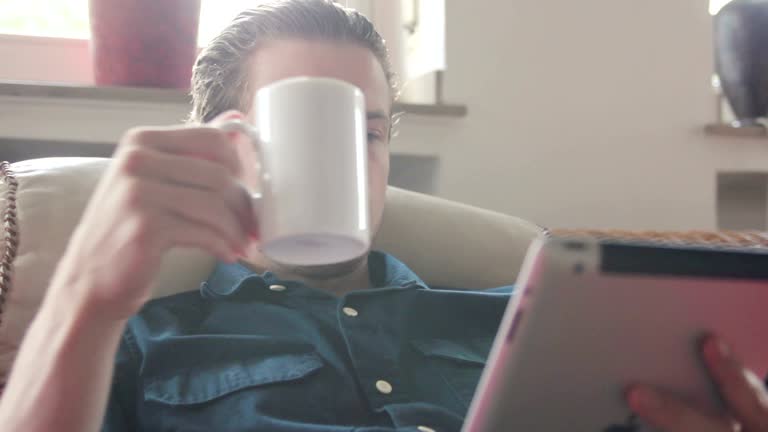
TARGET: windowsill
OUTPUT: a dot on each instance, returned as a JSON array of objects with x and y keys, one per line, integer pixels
[
  {"x": 724, "y": 129},
  {"x": 170, "y": 96}
]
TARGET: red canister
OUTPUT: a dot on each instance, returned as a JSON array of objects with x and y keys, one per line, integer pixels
[{"x": 144, "y": 43}]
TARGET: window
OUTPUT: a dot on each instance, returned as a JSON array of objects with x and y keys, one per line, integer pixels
[
  {"x": 716, "y": 5},
  {"x": 51, "y": 18},
  {"x": 415, "y": 35},
  {"x": 216, "y": 14},
  {"x": 69, "y": 19},
  {"x": 724, "y": 113},
  {"x": 413, "y": 29}
]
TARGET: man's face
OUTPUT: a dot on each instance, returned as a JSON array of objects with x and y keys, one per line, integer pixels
[{"x": 280, "y": 59}]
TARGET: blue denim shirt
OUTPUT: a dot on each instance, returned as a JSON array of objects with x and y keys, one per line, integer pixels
[{"x": 250, "y": 352}]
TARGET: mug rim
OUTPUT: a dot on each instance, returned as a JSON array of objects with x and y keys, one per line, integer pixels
[{"x": 313, "y": 79}]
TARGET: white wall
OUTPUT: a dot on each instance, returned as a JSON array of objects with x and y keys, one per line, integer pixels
[{"x": 583, "y": 113}]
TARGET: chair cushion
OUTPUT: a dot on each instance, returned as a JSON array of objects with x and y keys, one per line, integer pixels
[{"x": 447, "y": 244}]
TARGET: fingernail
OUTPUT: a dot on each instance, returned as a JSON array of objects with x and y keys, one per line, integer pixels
[
  {"x": 645, "y": 399},
  {"x": 722, "y": 348}
]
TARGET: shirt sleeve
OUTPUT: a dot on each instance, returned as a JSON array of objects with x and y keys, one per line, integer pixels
[{"x": 121, "y": 408}]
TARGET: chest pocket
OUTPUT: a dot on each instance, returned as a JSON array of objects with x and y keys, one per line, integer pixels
[
  {"x": 214, "y": 379},
  {"x": 457, "y": 364}
]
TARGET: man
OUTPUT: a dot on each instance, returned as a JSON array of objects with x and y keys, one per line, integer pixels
[{"x": 360, "y": 346}]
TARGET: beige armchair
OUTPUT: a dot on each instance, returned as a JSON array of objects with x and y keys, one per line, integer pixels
[{"x": 448, "y": 244}]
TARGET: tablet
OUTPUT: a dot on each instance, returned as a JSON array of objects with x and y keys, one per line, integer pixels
[{"x": 591, "y": 317}]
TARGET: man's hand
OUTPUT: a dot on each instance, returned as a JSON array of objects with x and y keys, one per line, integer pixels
[
  {"x": 743, "y": 392},
  {"x": 166, "y": 187}
]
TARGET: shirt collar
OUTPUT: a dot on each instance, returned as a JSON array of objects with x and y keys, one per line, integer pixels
[
  {"x": 388, "y": 271},
  {"x": 227, "y": 279}
]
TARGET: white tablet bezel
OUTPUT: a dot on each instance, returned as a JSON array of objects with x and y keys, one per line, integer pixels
[{"x": 591, "y": 317}]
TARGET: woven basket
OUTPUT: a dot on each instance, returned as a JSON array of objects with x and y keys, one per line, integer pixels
[
  {"x": 10, "y": 244},
  {"x": 756, "y": 239}
]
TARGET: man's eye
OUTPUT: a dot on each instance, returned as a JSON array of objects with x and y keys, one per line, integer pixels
[{"x": 374, "y": 136}]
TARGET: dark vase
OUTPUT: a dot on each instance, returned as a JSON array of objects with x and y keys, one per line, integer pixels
[
  {"x": 741, "y": 58},
  {"x": 144, "y": 43}
]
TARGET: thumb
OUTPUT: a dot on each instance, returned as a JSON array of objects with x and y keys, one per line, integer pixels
[
  {"x": 250, "y": 163},
  {"x": 226, "y": 116},
  {"x": 238, "y": 141}
]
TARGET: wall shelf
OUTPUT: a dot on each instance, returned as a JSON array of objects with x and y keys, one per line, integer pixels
[
  {"x": 724, "y": 129},
  {"x": 168, "y": 96},
  {"x": 43, "y": 120}
]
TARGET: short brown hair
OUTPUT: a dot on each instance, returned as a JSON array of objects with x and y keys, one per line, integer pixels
[{"x": 219, "y": 77}]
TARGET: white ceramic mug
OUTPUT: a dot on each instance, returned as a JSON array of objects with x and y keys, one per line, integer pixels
[{"x": 310, "y": 138}]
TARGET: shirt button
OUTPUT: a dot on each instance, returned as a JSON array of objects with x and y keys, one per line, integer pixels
[
  {"x": 277, "y": 287},
  {"x": 383, "y": 387},
  {"x": 348, "y": 311},
  {"x": 425, "y": 429}
]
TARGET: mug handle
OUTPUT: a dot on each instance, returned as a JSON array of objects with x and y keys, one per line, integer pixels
[{"x": 253, "y": 134}]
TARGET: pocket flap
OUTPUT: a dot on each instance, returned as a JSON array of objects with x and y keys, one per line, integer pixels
[
  {"x": 210, "y": 381},
  {"x": 453, "y": 350}
]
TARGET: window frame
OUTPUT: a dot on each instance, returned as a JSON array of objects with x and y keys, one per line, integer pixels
[{"x": 65, "y": 60}]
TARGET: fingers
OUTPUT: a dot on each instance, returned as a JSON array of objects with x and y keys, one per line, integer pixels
[
  {"x": 742, "y": 390},
  {"x": 227, "y": 116},
  {"x": 192, "y": 173},
  {"x": 180, "y": 170},
  {"x": 249, "y": 219},
  {"x": 188, "y": 233},
  {"x": 670, "y": 414},
  {"x": 200, "y": 206},
  {"x": 203, "y": 142}
]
